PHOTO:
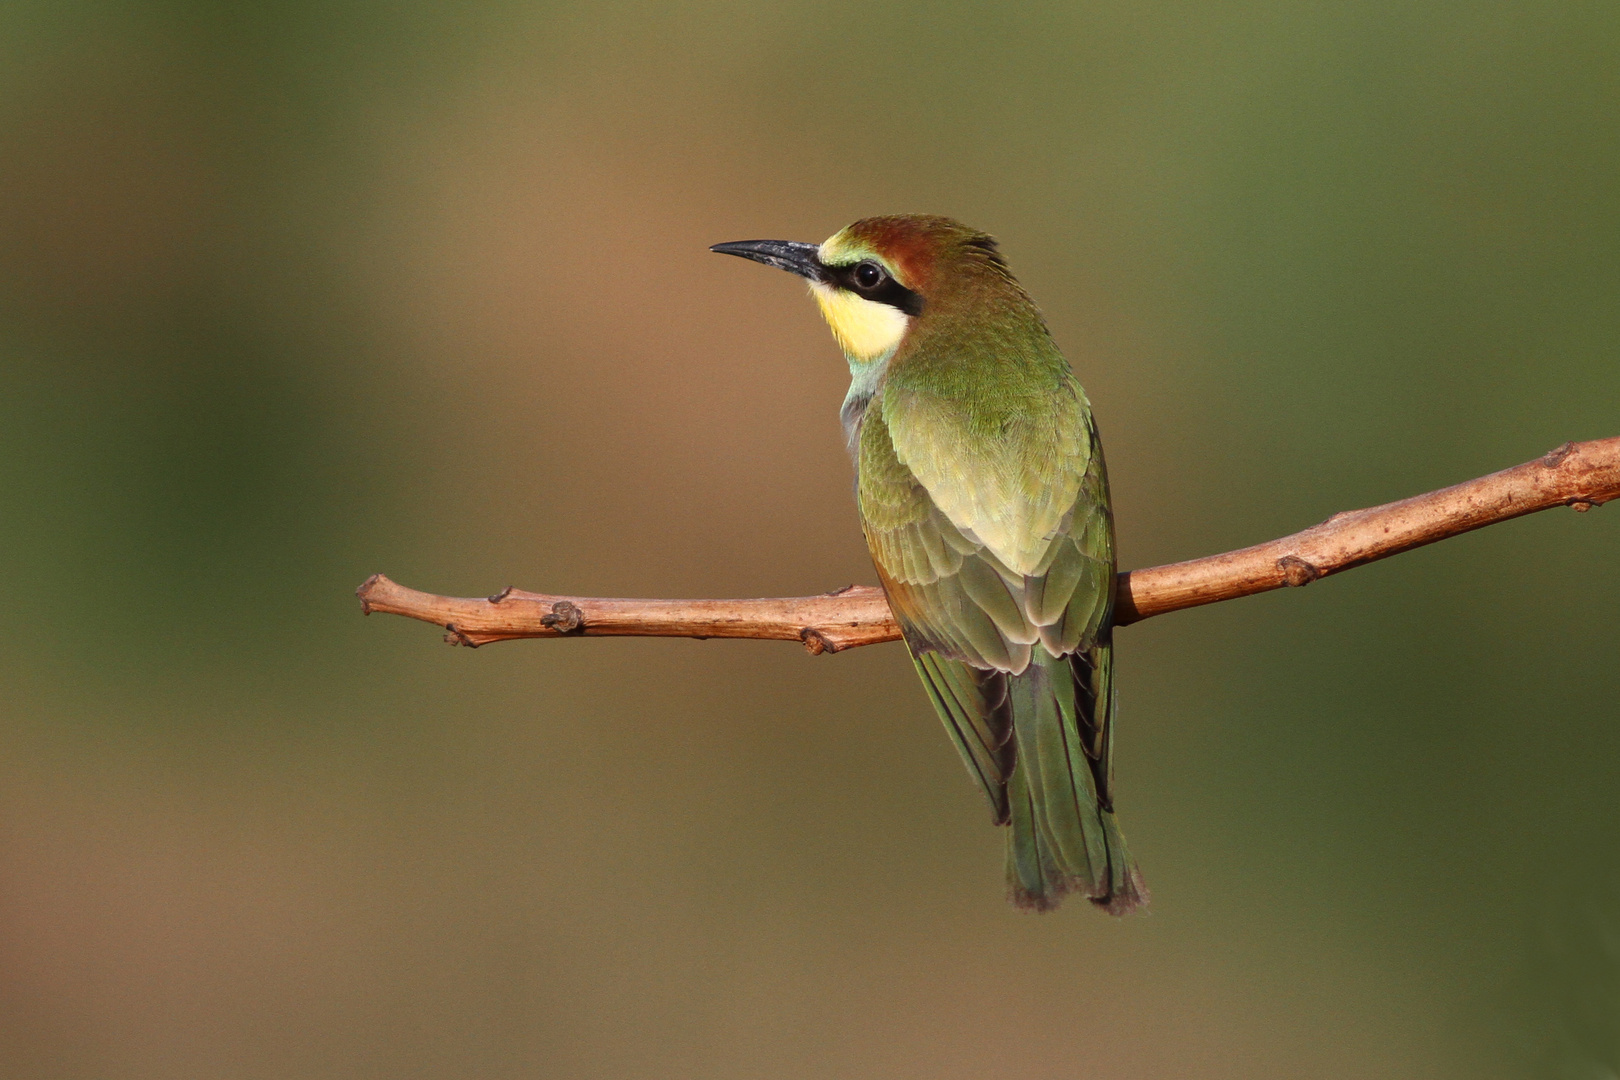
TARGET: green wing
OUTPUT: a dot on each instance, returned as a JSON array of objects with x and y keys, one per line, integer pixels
[
  {"x": 964, "y": 611},
  {"x": 997, "y": 557},
  {"x": 996, "y": 542}
]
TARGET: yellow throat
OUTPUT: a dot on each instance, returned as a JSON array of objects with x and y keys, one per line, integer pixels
[{"x": 865, "y": 329}]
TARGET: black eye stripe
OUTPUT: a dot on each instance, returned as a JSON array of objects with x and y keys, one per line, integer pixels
[{"x": 888, "y": 290}]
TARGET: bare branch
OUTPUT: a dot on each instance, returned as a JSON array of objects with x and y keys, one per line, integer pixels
[
  {"x": 856, "y": 615},
  {"x": 1581, "y": 475}
]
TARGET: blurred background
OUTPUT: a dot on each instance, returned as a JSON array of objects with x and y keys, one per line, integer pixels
[{"x": 294, "y": 292}]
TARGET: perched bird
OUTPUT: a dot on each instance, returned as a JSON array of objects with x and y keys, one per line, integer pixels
[{"x": 984, "y": 500}]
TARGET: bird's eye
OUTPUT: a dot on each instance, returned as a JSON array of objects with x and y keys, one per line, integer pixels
[{"x": 868, "y": 275}]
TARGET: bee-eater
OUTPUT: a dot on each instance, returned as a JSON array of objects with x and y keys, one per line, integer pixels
[{"x": 984, "y": 500}]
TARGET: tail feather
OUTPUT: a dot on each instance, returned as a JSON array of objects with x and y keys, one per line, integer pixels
[
  {"x": 1038, "y": 743},
  {"x": 1066, "y": 814},
  {"x": 1032, "y": 866},
  {"x": 1064, "y": 837}
]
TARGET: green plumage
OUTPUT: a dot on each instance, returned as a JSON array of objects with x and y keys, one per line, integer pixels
[{"x": 984, "y": 500}]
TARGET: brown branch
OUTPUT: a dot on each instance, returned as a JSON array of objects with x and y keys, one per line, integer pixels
[
  {"x": 856, "y": 615},
  {"x": 1581, "y": 475}
]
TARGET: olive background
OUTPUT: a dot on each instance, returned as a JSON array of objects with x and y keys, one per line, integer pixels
[{"x": 295, "y": 292}]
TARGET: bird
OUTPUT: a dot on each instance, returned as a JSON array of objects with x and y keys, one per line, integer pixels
[{"x": 983, "y": 496}]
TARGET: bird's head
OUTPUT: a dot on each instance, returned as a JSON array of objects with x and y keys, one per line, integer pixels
[{"x": 874, "y": 278}]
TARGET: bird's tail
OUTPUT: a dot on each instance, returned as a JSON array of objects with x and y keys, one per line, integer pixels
[{"x": 1064, "y": 837}]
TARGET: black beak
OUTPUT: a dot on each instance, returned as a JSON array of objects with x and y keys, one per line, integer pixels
[{"x": 789, "y": 255}]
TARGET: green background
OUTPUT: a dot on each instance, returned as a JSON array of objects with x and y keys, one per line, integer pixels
[{"x": 295, "y": 292}]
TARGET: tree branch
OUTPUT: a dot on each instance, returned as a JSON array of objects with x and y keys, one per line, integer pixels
[{"x": 1581, "y": 475}]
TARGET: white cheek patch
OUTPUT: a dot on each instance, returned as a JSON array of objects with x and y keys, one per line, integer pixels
[{"x": 865, "y": 329}]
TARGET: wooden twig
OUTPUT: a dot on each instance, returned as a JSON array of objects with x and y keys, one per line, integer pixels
[
  {"x": 1581, "y": 475},
  {"x": 856, "y": 615}
]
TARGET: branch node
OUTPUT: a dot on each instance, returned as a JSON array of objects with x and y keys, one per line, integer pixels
[
  {"x": 496, "y": 598},
  {"x": 363, "y": 590},
  {"x": 1555, "y": 457},
  {"x": 565, "y": 618},
  {"x": 815, "y": 642},
  {"x": 1296, "y": 571},
  {"x": 456, "y": 637},
  {"x": 1582, "y": 505}
]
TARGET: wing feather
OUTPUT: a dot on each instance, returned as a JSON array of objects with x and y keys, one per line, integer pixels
[
  {"x": 971, "y": 621},
  {"x": 978, "y": 718}
]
